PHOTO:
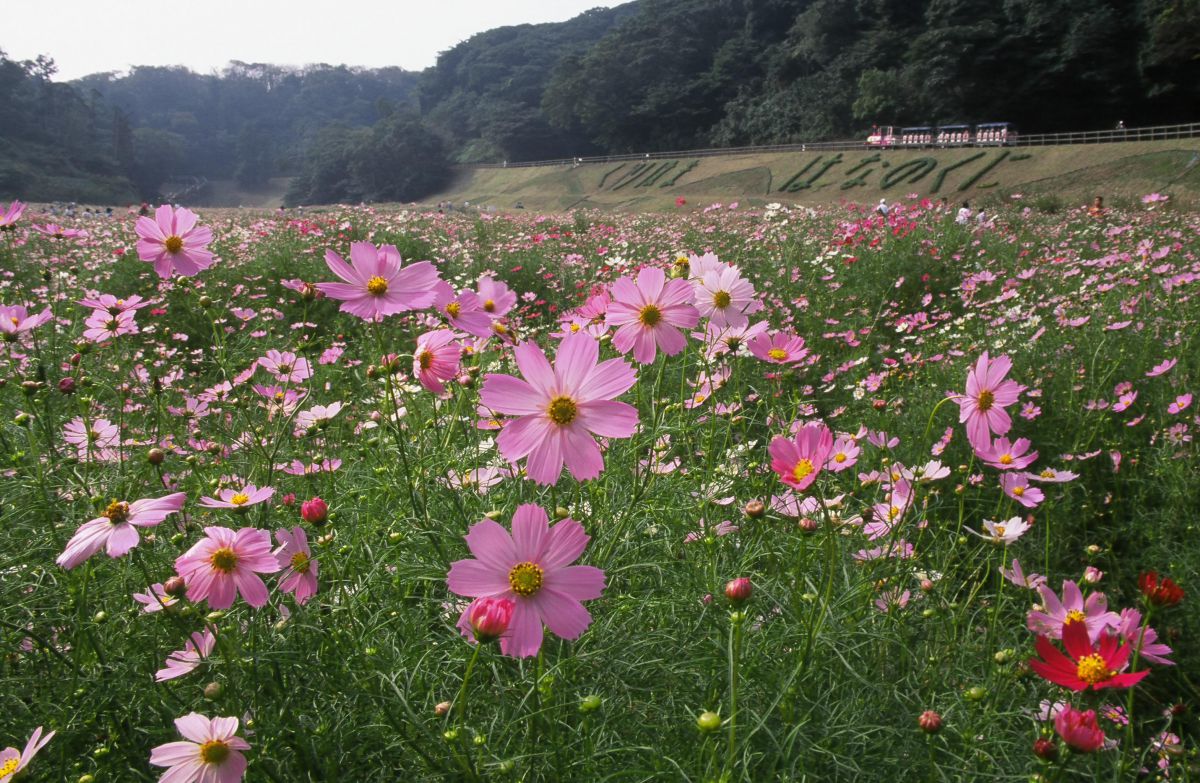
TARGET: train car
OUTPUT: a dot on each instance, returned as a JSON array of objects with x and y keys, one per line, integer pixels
[
  {"x": 916, "y": 137},
  {"x": 1001, "y": 134},
  {"x": 954, "y": 135},
  {"x": 882, "y": 137}
]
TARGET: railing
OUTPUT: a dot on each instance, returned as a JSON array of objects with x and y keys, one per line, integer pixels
[{"x": 1150, "y": 133}]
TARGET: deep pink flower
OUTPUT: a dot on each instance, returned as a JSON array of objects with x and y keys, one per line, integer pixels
[
  {"x": 115, "y": 530},
  {"x": 314, "y": 511},
  {"x": 1180, "y": 404},
  {"x": 155, "y": 599},
  {"x": 1005, "y": 455},
  {"x": 778, "y": 348},
  {"x": 436, "y": 359},
  {"x": 211, "y": 753},
  {"x": 988, "y": 394},
  {"x": 798, "y": 461},
  {"x": 376, "y": 285},
  {"x": 1143, "y": 639},
  {"x": 1079, "y": 729},
  {"x": 296, "y": 562},
  {"x": 486, "y": 619},
  {"x": 12, "y": 761},
  {"x": 173, "y": 242},
  {"x": 1017, "y": 487},
  {"x": 531, "y": 569},
  {"x": 650, "y": 313},
  {"x": 238, "y": 499},
  {"x": 559, "y": 408},
  {"x": 226, "y": 562},
  {"x": 1089, "y": 665},
  {"x": 185, "y": 661},
  {"x": 739, "y": 590},
  {"x": 15, "y": 320}
]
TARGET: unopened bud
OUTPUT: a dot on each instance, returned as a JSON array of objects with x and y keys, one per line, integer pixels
[
  {"x": 1045, "y": 749},
  {"x": 156, "y": 456},
  {"x": 442, "y": 708},
  {"x": 213, "y": 690},
  {"x": 930, "y": 722},
  {"x": 739, "y": 590},
  {"x": 708, "y": 721},
  {"x": 755, "y": 509},
  {"x": 175, "y": 586}
]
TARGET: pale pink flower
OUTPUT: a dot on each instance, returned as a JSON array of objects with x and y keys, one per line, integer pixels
[
  {"x": 226, "y": 562},
  {"x": 1017, "y": 487},
  {"x": 495, "y": 298},
  {"x": 155, "y": 599},
  {"x": 15, "y": 320},
  {"x": 173, "y": 242},
  {"x": 9, "y": 217},
  {"x": 317, "y": 416},
  {"x": 115, "y": 531},
  {"x": 376, "y": 285},
  {"x": 649, "y": 314},
  {"x": 1093, "y": 612},
  {"x": 101, "y": 326},
  {"x": 436, "y": 359},
  {"x": 1005, "y": 455},
  {"x": 464, "y": 311},
  {"x": 725, "y": 297},
  {"x": 1161, "y": 368},
  {"x": 297, "y": 564},
  {"x": 13, "y": 762},
  {"x": 1180, "y": 404},
  {"x": 211, "y": 753},
  {"x": 1005, "y": 532},
  {"x": 779, "y": 348},
  {"x": 843, "y": 455},
  {"x": 187, "y": 660},
  {"x": 988, "y": 394},
  {"x": 238, "y": 499},
  {"x": 286, "y": 366},
  {"x": 1017, "y": 576},
  {"x": 97, "y": 439}
]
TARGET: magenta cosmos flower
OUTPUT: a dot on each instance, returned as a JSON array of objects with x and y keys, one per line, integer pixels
[
  {"x": 532, "y": 569},
  {"x": 798, "y": 461},
  {"x": 650, "y": 313},
  {"x": 988, "y": 394},
  {"x": 436, "y": 359},
  {"x": 115, "y": 531},
  {"x": 294, "y": 558},
  {"x": 375, "y": 283},
  {"x": 173, "y": 242},
  {"x": 1093, "y": 612},
  {"x": 238, "y": 499},
  {"x": 559, "y": 408},
  {"x": 224, "y": 563},
  {"x": 210, "y": 754},
  {"x": 12, "y": 761}
]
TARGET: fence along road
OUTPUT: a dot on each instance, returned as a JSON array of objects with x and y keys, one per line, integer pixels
[{"x": 1149, "y": 133}]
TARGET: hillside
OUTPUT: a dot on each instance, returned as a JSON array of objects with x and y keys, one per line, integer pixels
[{"x": 1073, "y": 174}]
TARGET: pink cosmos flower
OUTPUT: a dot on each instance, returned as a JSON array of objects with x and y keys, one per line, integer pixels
[
  {"x": 559, "y": 408},
  {"x": 224, "y": 563},
  {"x": 286, "y": 366},
  {"x": 1161, "y": 368},
  {"x": 436, "y": 359},
  {"x": 725, "y": 297},
  {"x": 1093, "y": 612},
  {"x": 238, "y": 499},
  {"x": 11, "y": 761},
  {"x": 96, "y": 440},
  {"x": 843, "y": 455},
  {"x": 779, "y": 348},
  {"x": 1017, "y": 576},
  {"x": 988, "y": 394},
  {"x": 15, "y": 320},
  {"x": 1005, "y": 532},
  {"x": 173, "y": 242},
  {"x": 115, "y": 530},
  {"x": 648, "y": 314},
  {"x": 59, "y": 232},
  {"x": 295, "y": 560},
  {"x": 720, "y": 340},
  {"x": 1079, "y": 730},
  {"x": 376, "y": 285},
  {"x": 211, "y": 753},
  {"x": 1017, "y": 487},
  {"x": 886, "y": 516},
  {"x": 1005, "y": 455},
  {"x": 478, "y": 479},
  {"x": 155, "y": 599},
  {"x": 1180, "y": 404},
  {"x": 464, "y": 311},
  {"x": 531, "y": 569},
  {"x": 799, "y": 461},
  {"x": 8, "y": 217},
  {"x": 114, "y": 306},
  {"x": 495, "y": 298},
  {"x": 1052, "y": 476},
  {"x": 187, "y": 660},
  {"x": 101, "y": 326},
  {"x": 1145, "y": 640},
  {"x": 317, "y": 416}
]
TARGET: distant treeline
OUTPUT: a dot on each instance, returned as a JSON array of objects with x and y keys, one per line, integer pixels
[{"x": 648, "y": 75}]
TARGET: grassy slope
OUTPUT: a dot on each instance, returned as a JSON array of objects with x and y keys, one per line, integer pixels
[{"x": 1119, "y": 172}]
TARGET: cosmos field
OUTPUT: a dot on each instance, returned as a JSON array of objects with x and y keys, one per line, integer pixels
[{"x": 724, "y": 494}]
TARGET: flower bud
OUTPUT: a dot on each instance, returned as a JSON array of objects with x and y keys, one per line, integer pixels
[
  {"x": 930, "y": 722},
  {"x": 708, "y": 721},
  {"x": 314, "y": 511},
  {"x": 589, "y": 703},
  {"x": 175, "y": 586},
  {"x": 808, "y": 525},
  {"x": 206, "y": 301},
  {"x": 1045, "y": 749},
  {"x": 156, "y": 456},
  {"x": 442, "y": 708},
  {"x": 489, "y": 618},
  {"x": 66, "y": 385},
  {"x": 213, "y": 690},
  {"x": 755, "y": 509},
  {"x": 561, "y": 512},
  {"x": 739, "y": 590}
]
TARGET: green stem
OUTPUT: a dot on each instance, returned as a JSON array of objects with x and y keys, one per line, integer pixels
[{"x": 735, "y": 645}]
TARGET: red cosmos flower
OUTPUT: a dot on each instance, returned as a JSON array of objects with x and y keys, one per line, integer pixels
[
  {"x": 1091, "y": 667},
  {"x": 1164, "y": 593}
]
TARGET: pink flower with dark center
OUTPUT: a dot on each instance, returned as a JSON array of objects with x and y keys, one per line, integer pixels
[
  {"x": 115, "y": 531},
  {"x": 779, "y": 348},
  {"x": 375, "y": 285},
  {"x": 286, "y": 366},
  {"x": 15, "y": 320},
  {"x": 114, "y": 306},
  {"x": 495, "y": 298},
  {"x": 559, "y": 408},
  {"x": 1004, "y": 455},
  {"x": 56, "y": 231},
  {"x": 1093, "y": 612},
  {"x": 297, "y": 564},
  {"x": 648, "y": 314},
  {"x": 12, "y": 761},
  {"x": 226, "y": 562},
  {"x": 436, "y": 359},
  {"x": 238, "y": 499},
  {"x": 988, "y": 394},
  {"x": 799, "y": 460},
  {"x": 464, "y": 311},
  {"x": 187, "y": 660},
  {"x": 173, "y": 242},
  {"x": 211, "y": 753},
  {"x": 531, "y": 567}
]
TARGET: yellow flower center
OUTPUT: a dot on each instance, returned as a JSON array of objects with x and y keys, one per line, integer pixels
[
  {"x": 425, "y": 359},
  {"x": 454, "y": 308},
  {"x": 574, "y": 328},
  {"x": 562, "y": 410},
  {"x": 985, "y": 400},
  {"x": 650, "y": 315},
  {"x": 489, "y": 305},
  {"x": 15, "y": 321},
  {"x": 214, "y": 752},
  {"x": 1093, "y": 669},
  {"x": 300, "y": 563},
  {"x": 224, "y": 560},
  {"x": 377, "y": 286},
  {"x": 721, "y": 299},
  {"x": 525, "y": 579},
  {"x": 778, "y": 354},
  {"x": 999, "y": 531},
  {"x": 803, "y": 468},
  {"x": 117, "y": 511},
  {"x": 1005, "y": 459},
  {"x": 1048, "y": 473},
  {"x": 240, "y": 499},
  {"x": 1018, "y": 491},
  {"x": 173, "y": 244},
  {"x": 279, "y": 396},
  {"x": 9, "y": 767},
  {"x": 1075, "y": 616},
  {"x": 840, "y": 457},
  {"x": 893, "y": 512}
]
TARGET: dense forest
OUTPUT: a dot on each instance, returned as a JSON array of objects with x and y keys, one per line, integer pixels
[{"x": 647, "y": 75}]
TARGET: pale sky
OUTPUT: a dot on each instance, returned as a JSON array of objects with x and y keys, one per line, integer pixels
[{"x": 111, "y": 35}]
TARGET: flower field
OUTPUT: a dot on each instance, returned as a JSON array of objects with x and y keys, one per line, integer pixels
[{"x": 715, "y": 495}]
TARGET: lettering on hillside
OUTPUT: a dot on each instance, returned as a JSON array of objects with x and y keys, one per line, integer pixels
[
  {"x": 835, "y": 169},
  {"x": 647, "y": 174}
]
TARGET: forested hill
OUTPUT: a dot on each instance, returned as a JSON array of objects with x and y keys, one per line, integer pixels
[{"x": 646, "y": 75}]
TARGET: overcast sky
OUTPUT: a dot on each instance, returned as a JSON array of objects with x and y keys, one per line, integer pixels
[{"x": 112, "y": 35}]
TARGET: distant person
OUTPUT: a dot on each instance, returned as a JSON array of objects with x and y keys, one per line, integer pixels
[
  {"x": 883, "y": 207},
  {"x": 982, "y": 217},
  {"x": 1120, "y": 124},
  {"x": 964, "y": 214},
  {"x": 1097, "y": 208}
]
